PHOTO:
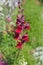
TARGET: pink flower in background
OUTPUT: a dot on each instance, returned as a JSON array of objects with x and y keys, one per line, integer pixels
[
  {"x": 1, "y": 56},
  {"x": 8, "y": 19},
  {"x": 1, "y": 63}
]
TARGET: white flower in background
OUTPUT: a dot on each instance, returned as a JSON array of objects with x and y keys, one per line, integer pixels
[
  {"x": 1, "y": 8},
  {"x": 38, "y": 54},
  {"x": 9, "y": 2},
  {"x": 1, "y": 2},
  {"x": 38, "y": 63},
  {"x": 41, "y": 57},
  {"x": 1, "y": 14},
  {"x": 39, "y": 48},
  {"x": 16, "y": 4}
]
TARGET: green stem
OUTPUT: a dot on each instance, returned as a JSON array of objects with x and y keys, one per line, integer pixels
[{"x": 18, "y": 53}]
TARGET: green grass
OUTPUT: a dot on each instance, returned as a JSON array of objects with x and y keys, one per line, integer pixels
[{"x": 34, "y": 15}]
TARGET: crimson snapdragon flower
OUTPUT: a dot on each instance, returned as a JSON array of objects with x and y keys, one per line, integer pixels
[
  {"x": 19, "y": 29},
  {"x": 25, "y": 38},
  {"x": 19, "y": 45},
  {"x": 16, "y": 36}
]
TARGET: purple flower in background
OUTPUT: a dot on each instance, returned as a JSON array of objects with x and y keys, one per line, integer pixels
[
  {"x": 0, "y": 63},
  {"x": 3, "y": 63}
]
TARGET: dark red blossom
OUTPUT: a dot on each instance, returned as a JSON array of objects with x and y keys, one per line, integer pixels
[
  {"x": 16, "y": 36},
  {"x": 19, "y": 45},
  {"x": 19, "y": 29},
  {"x": 25, "y": 38}
]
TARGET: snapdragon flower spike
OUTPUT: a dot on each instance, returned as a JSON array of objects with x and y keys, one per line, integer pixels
[
  {"x": 19, "y": 45},
  {"x": 21, "y": 25}
]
